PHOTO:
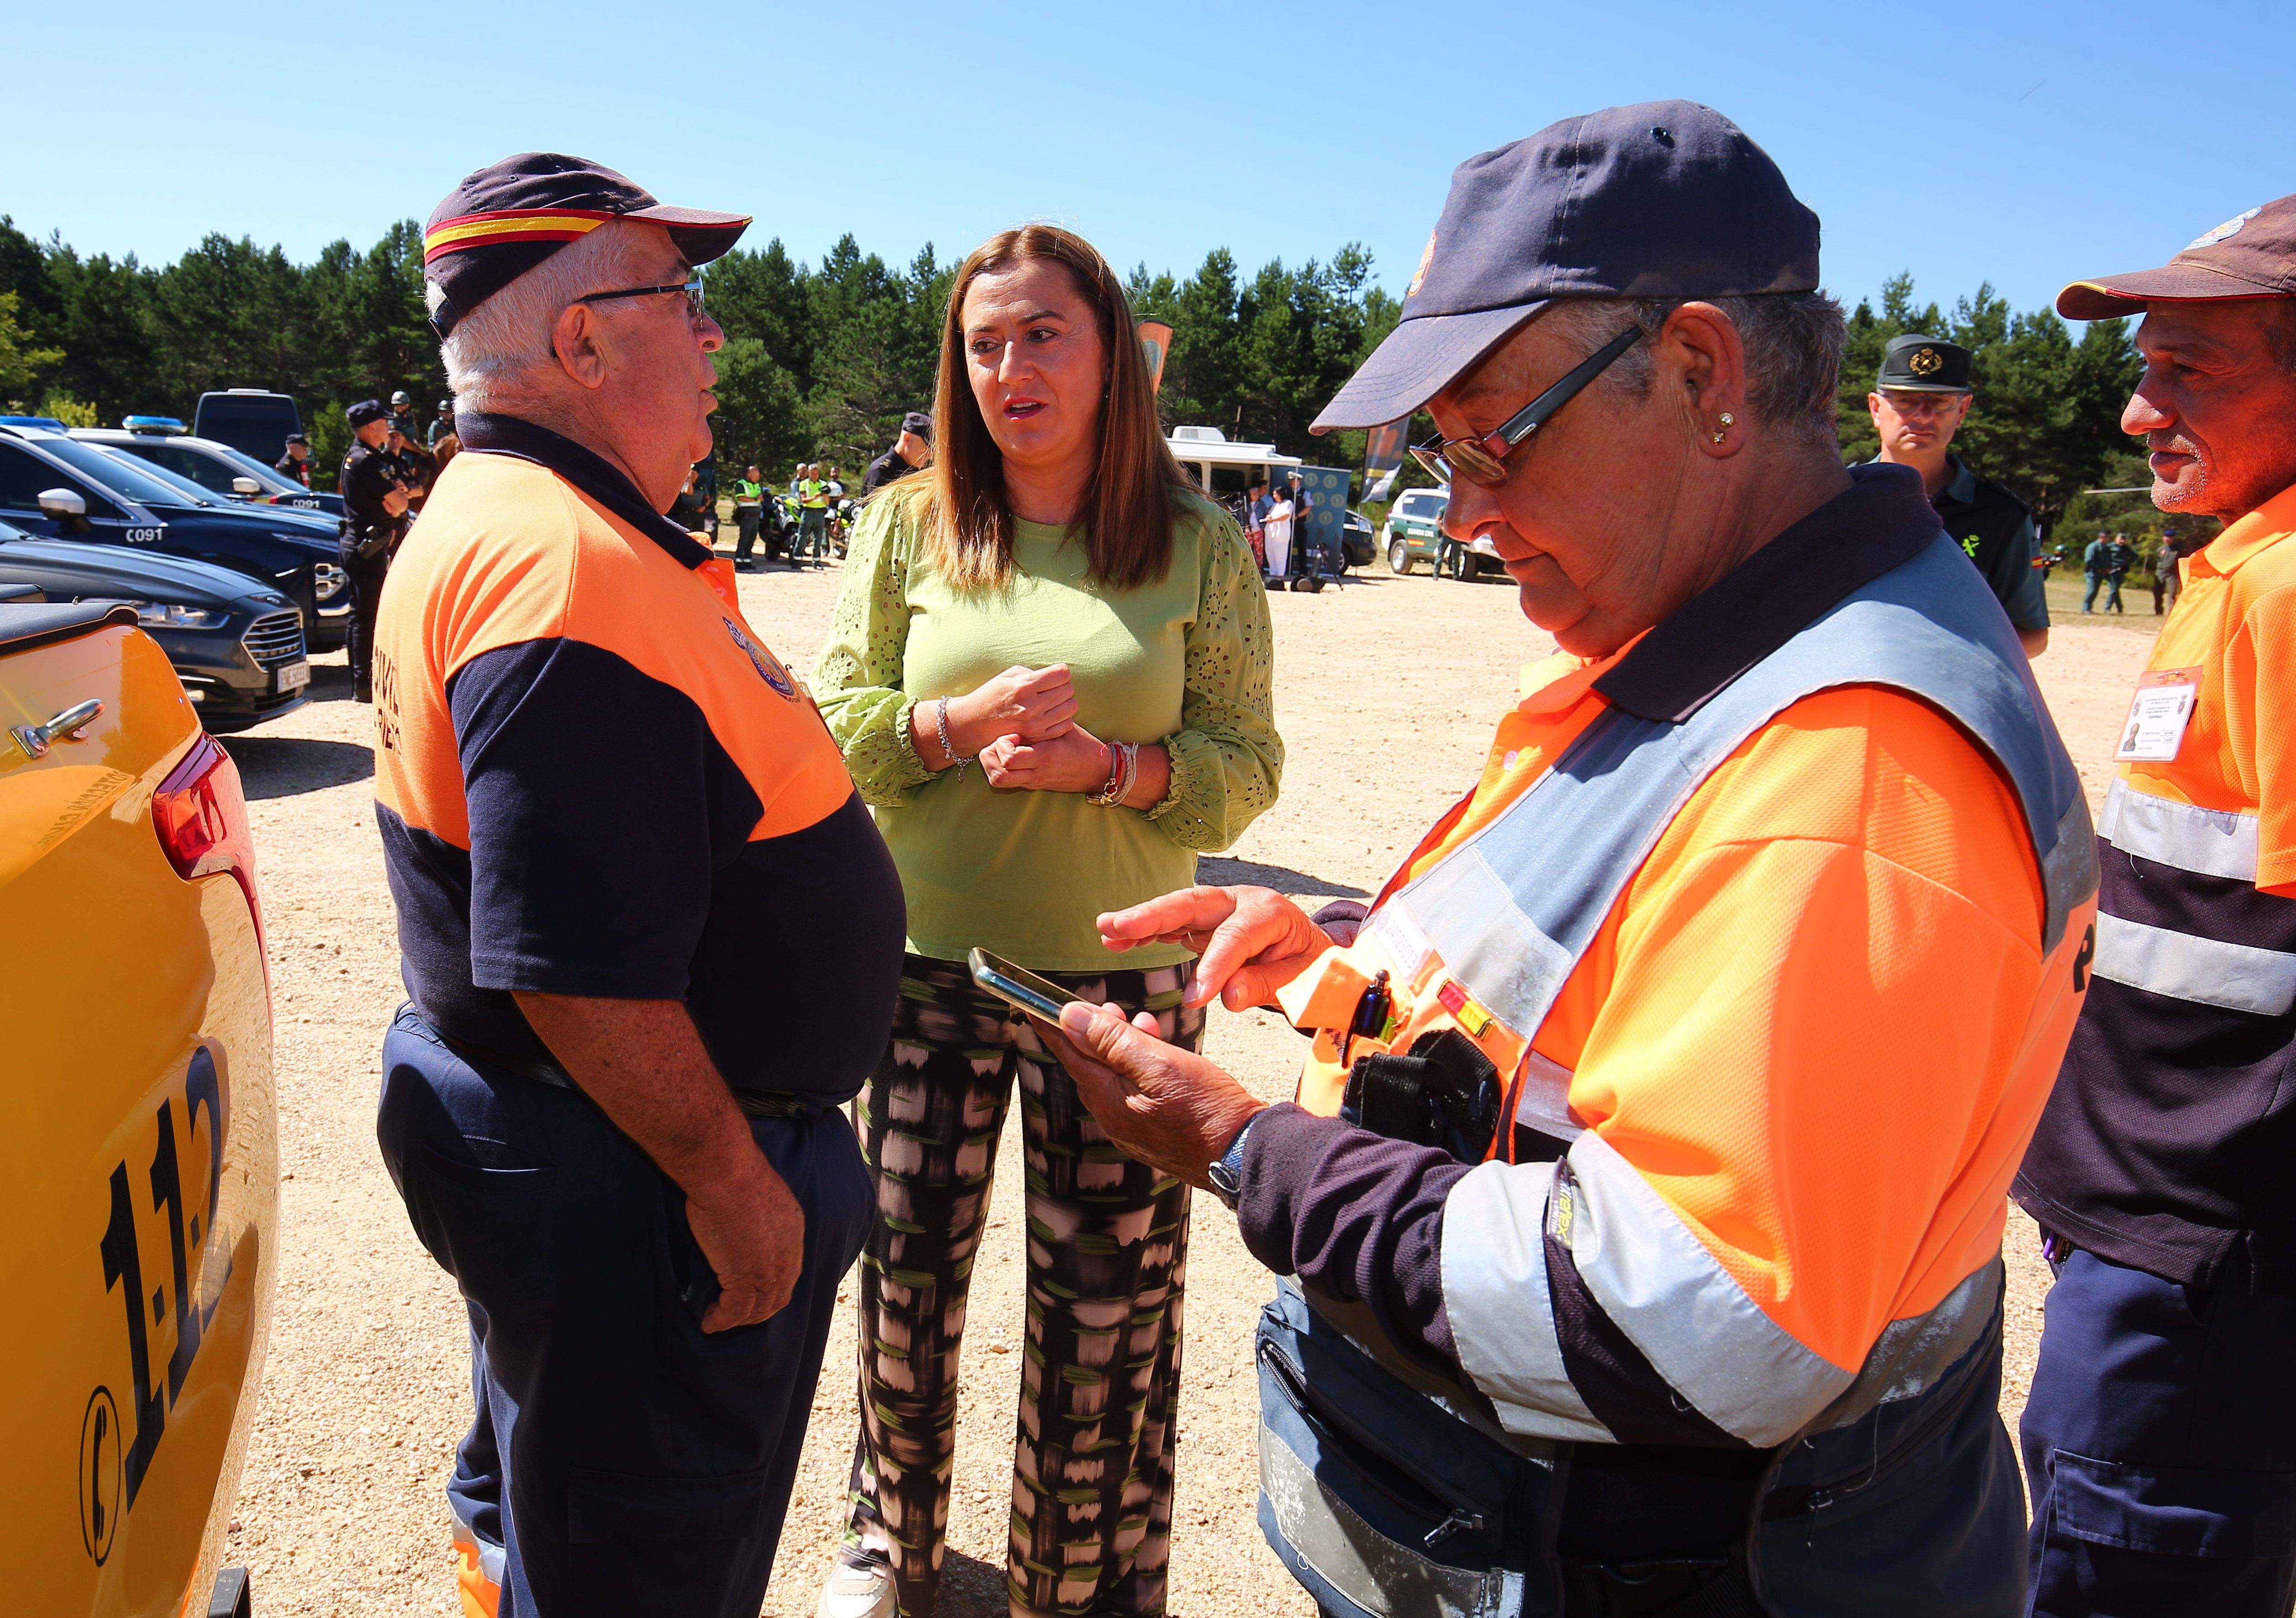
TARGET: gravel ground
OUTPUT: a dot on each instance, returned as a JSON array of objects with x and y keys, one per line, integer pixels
[{"x": 342, "y": 1507}]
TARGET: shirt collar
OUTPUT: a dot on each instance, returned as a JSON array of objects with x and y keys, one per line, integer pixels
[
  {"x": 2266, "y": 525},
  {"x": 1883, "y": 520},
  {"x": 485, "y": 434},
  {"x": 1960, "y": 489}
]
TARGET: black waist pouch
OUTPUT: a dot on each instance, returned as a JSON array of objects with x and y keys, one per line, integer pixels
[{"x": 1444, "y": 1093}]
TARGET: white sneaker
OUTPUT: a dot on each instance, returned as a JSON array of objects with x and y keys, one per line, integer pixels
[{"x": 856, "y": 1592}]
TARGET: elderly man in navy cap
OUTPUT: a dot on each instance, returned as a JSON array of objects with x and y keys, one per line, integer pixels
[
  {"x": 1641, "y": 1210},
  {"x": 650, "y": 937}
]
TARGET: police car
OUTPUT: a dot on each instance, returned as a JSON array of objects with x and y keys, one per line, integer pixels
[
  {"x": 237, "y": 646},
  {"x": 59, "y": 486},
  {"x": 1413, "y": 533},
  {"x": 217, "y": 467}
]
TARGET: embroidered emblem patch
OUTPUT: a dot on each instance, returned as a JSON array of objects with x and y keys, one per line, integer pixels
[
  {"x": 768, "y": 668},
  {"x": 1925, "y": 362},
  {"x": 1426, "y": 258},
  {"x": 2230, "y": 228}
]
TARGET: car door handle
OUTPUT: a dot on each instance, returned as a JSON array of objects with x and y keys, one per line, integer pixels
[{"x": 36, "y": 739}]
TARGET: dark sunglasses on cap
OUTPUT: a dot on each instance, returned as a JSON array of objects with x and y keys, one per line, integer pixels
[{"x": 1483, "y": 460}]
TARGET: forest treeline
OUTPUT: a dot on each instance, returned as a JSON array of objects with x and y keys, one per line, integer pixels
[{"x": 821, "y": 361}]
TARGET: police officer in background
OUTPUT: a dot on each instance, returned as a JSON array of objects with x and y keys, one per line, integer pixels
[
  {"x": 1919, "y": 401},
  {"x": 402, "y": 416},
  {"x": 375, "y": 501},
  {"x": 443, "y": 424},
  {"x": 910, "y": 451},
  {"x": 418, "y": 467},
  {"x": 296, "y": 461}
]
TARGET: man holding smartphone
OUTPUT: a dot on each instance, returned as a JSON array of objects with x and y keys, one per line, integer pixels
[{"x": 609, "y": 814}]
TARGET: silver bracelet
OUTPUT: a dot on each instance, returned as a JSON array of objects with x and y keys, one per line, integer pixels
[{"x": 947, "y": 748}]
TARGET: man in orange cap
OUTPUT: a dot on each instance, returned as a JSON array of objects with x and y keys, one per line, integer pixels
[{"x": 2161, "y": 1436}]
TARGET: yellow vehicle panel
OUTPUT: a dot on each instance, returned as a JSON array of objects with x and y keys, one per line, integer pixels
[{"x": 138, "y": 1166}]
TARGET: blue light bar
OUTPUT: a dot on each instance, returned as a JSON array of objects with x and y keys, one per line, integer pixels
[{"x": 152, "y": 423}]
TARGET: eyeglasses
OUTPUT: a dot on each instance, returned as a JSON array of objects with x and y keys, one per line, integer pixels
[
  {"x": 1921, "y": 404},
  {"x": 1483, "y": 460},
  {"x": 692, "y": 289}
]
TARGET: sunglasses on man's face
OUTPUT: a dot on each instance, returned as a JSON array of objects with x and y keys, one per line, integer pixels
[
  {"x": 1483, "y": 460},
  {"x": 1921, "y": 404},
  {"x": 691, "y": 287}
]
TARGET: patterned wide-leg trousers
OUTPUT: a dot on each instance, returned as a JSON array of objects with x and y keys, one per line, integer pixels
[{"x": 1092, "y": 1459}]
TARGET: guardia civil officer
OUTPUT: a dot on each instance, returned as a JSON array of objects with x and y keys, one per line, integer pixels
[
  {"x": 2161, "y": 1433},
  {"x": 376, "y": 493},
  {"x": 295, "y": 461},
  {"x": 1919, "y": 401},
  {"x": 911, "y": 449},
  {"x": 1645, "y": 1190},
  {"x": 650, "y": 937}
]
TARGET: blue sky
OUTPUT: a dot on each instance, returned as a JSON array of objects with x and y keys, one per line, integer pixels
[{"x": 2020, "y": 142}]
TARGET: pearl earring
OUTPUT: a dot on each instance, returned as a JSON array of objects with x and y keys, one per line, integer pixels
[{"x": 1723, "y": 432}]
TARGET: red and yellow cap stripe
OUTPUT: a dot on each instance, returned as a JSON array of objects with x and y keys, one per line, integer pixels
[{"x": 511, "y": 225}]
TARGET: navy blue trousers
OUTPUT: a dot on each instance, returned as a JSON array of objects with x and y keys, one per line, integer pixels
[
  {"x": 2161, "y": 1448},
  {"x": 622, "y": 1460}
]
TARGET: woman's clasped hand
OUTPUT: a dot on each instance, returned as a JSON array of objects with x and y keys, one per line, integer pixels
[
  {"x": 1021, "y": 705},
  {"x": 1021, "y": 725}
]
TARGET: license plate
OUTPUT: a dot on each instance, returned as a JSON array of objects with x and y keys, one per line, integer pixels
[{"x": 294, "y": 676}]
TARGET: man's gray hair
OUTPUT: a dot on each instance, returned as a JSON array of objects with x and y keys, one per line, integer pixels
[
  {"x": 508, "y": 336},
  {"x": 1793, "y": 352}
]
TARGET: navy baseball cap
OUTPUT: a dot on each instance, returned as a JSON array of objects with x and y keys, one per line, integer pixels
[
  {"x": 366, "y": 410},
  {"x": 507, "y": 218},
  {"x": 918, "y": 422},
  {"x": 1665, "y": 199}
]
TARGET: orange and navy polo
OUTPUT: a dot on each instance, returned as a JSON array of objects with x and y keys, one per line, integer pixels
[
  {"x": 2166, "y": 1144},
  {"x": 593, "y": 779}
]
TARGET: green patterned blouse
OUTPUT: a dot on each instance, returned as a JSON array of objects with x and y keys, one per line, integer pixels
[{"x": 1186, "y": 660}]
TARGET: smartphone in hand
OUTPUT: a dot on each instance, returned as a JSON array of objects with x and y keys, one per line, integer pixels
[{"x": 1017, "y": 986}]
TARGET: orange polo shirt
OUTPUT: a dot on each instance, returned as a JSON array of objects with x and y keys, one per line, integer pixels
[{"x": 2164, "y": 1148}]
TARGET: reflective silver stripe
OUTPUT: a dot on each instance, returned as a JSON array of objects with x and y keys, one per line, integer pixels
[
  {"x": 1912, "y": 1353},
  {"x": 1495, "y": 1295},
  {"x": 1465, "y": 908},
  {"x": 1695, "y": 1324},
  {"x": 1513, "y": 907},
  {"x": 2238, "y": 977},
  {"x": 493, "y": 1558},
  {"x": 1545, "y": 1102},
  {"x": 2212, "y": 842}
]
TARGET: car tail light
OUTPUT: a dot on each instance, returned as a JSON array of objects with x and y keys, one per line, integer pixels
[{"x": 201, "y": 819}]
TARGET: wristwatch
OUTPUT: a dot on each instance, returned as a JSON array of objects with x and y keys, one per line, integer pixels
[{"x": 1226, "y": 1175}]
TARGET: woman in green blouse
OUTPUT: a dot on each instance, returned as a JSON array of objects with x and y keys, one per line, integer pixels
[{"x": 1050, "y": 671}]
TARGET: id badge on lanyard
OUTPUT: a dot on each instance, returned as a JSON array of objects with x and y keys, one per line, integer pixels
[{"x": 2157, "y": 716}]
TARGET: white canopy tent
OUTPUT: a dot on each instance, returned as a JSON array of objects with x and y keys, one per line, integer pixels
[{"x": 1221, "y": 468}]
